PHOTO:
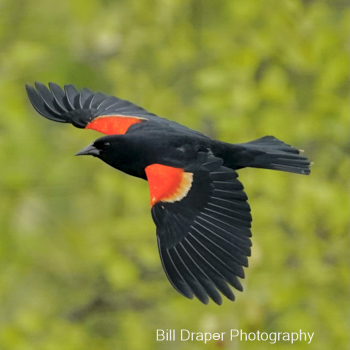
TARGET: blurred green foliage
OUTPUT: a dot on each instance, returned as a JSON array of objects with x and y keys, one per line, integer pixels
[{"x": 78, "y": 256}]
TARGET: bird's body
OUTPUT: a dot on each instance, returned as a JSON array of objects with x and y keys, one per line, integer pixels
[
  {"x": 198, "y": 205},
  {"x": 139, "y": 149}
]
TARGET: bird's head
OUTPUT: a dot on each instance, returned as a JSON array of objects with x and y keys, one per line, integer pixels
[
  {"x": 119, "y": 152},
  {"x": 110, "y": 149}
]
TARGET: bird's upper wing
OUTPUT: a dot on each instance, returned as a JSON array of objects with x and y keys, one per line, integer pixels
[
  {"x": 90, "y": 110},
  {"x": 203, "y": 226}
]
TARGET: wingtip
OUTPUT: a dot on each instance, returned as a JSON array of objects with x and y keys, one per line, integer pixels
[
  {"x": 204, "y": 300},
  {"x": 38, "y": 84},
  {"x": 232, "y": 298},
  {"x": 218, "y": 301},
  {"x": 30, "y": 90},
  {"x": 53, "y": 85}
]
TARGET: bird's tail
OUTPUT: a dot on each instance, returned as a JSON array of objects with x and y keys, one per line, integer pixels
[{"x": 271, "y": 153}]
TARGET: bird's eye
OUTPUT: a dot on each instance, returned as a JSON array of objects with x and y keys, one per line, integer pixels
[{"x": 105, "y": 145}]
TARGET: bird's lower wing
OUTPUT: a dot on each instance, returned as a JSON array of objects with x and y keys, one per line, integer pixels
[{"x": 203, "y": 226}]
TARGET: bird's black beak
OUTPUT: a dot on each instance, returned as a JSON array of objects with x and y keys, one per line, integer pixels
[{"x": 90, "y": 150}]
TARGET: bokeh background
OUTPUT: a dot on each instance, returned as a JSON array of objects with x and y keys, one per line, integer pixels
[{"x": 79, "y": 267}]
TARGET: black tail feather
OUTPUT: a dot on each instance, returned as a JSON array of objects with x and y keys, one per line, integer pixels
[{"x": 270, "y": 153}]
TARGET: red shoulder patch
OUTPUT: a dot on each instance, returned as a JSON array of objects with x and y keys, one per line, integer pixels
[
  {"x": 167, "y": 184},
  {"x": 113, "y": 124}
]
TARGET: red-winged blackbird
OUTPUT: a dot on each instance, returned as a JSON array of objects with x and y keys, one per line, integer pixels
[{"x": 198, "y": 205}]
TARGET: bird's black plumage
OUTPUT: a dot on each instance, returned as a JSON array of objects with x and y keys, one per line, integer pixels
[{"x": 198, "y": 204}]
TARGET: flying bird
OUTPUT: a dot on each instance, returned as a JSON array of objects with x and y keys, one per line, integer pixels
[{"x": 200, "y": 210}]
